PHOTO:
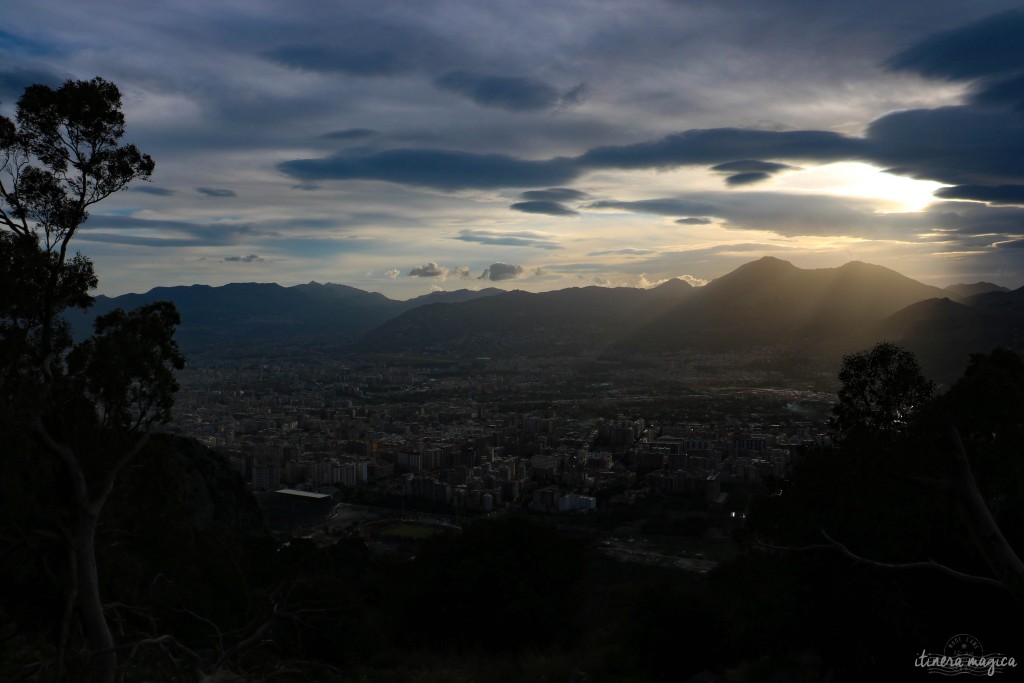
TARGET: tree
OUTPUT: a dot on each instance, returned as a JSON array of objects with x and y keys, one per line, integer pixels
[
  {"x": 881, "y": 390},
  {"x": 905, "y": 510},
  {"x": 89, "y": 406}
]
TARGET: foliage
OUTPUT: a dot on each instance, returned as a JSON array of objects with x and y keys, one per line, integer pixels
[
  {"x": 880, "y": 531},
  {"x": 90, "y": 407},
  {"x": 126, "y": 370},
  {"x": 881, "y": 391},
  {"x": 62, "y": 157}
]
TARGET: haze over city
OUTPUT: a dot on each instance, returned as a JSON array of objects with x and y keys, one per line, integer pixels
[{"x": 410, "y": 146}]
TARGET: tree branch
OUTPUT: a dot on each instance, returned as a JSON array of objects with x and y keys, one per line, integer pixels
[
  {"x": 70, "y": 462},
  {"x": 107, "y": 484},
  {"x": 985, "y": 532},
  {"x": 834, "y": 545},
  {"x": 927, "y": 564}
]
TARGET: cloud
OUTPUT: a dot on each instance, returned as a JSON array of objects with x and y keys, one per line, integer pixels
[
  {"x": 355, "y": 61},
  {"x": 250, "y": 258},
  {"x": 746, "y": 178},
  {"x": 694, "y": 220},
  {"x": 752, "y": 166},
  {"x": 991, "y": 46},
  {"x": 513, "y": 93},
  {"x": 625, "y": 251},
  {"x": 152, "y": 189},
  {"x": 214, "y": 192},
  {"x": 693, "y": 280},
  {"x": 429, "y": 270},
  {"x": 393, "y": 273},
  {"x": 750, "y": 171},
  {"x": 501, "y": 271},
  {"x": 992, "y": 194},
  {"x": 700, "y": 264},
  {"x": 553, "y": 194},
  {"x": 369, "y": 48},
  {"x": 350, "y": 134},
  {"x": 971, "y": 218},
  {"x": 575, "y": 96},
  {"x": 720, "y": 145},
  {"x": 544, "y": 207},
  {"x": 15, "y": 77},
  {"x": 1010, "y": 244},
  {"x": 523, "y": 238},
  {"x": 786, "y": 214},
  {"x": 462, "y": 272},
  {"x": 956, "y": 145},
  {"x": 999, "y": 92},
  {"x": 140, "y": 240},
  {"x": 118, "y": 229},
  {"x": 661, "y": 207},
  {"x": 439, "y": 169}
]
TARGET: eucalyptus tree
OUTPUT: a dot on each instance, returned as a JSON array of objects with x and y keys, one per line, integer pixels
[{"x": 89, "y": 406}]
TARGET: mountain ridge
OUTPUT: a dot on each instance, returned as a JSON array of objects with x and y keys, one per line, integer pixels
[{"x": 811, "y": 314}]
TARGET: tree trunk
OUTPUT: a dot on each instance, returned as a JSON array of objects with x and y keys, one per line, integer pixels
[
  {"x": 90, "y": 606},
  {"x": 985, "y": 532}
]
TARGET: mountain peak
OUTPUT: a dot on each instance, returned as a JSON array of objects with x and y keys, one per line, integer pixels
[
  {"x": 768, "y": 266},
  {"x": 751, "y": 275},
  {"x": 771, "y": 261},
  {"x": 673, "y": 285}
]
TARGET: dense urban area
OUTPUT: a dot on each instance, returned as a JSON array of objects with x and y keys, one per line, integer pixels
[{"x": 466, "y": 437}]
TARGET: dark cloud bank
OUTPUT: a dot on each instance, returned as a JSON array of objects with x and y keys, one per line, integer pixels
[{"x": 978, "y": 146}]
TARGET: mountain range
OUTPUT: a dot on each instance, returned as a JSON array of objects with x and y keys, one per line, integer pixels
[
  {"x": 260, "y": 313},
  {"x": 766, "y": 307}
]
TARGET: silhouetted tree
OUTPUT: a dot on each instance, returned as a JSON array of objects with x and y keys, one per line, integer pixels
[
  {"x": 881, "y": 390},
  {"x": 91, "y": 406}
]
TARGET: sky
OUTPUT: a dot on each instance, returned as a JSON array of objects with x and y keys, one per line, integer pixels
[{"x": 410, "y": 146}]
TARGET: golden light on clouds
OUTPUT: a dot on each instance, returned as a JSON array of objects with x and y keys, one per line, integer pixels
[{"x": 854, "y": 179}]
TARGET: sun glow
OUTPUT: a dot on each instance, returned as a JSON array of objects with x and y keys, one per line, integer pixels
[{"x": 854, "y": 179}]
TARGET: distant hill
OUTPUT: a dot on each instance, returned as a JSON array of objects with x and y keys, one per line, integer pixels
[
  {"x": 801, "y": 318},
  {"x": 266, "y": 313},
  {"x": 770, "y": 301},
  {"x": 561, "y": 321},
  {"x": 964, "y": 290},
  {"x": 1004, "y": 301},
  {"x": 943, "y": 334},
  {"x": 790, "y": 319},
  {"x": 454, "y": 297}
]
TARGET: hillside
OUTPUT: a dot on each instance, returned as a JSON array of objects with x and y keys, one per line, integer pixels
[
  {"x": 266, "y": 313},
  {"x": 574, "y": 320},
  {"x": 769, "y": 302},
  {"x": 794, "y": 317},
  {"x": 800, "y": 318}
]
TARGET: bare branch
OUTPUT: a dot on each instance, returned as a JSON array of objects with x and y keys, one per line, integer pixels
[
  {"x": 834, "y": 545},
  {"x": 209, "y": 622},
  {"x": 241, "y": 645},
  {"x": 927, "y": 564}
]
